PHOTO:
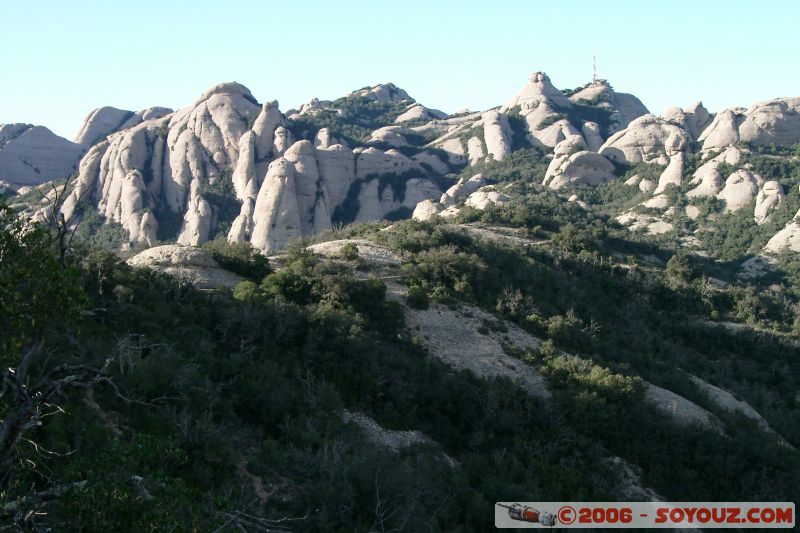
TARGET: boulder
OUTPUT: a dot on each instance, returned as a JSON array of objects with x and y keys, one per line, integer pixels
[
  {"x": 484, "y": 197},
  {"x": 769, "y": 197},
  {"x": 461, "y": 190},
  {"x": 644, "y": 140},
  {"x": 740, "y": 189},
  {"x": 190, "y": 264},
  {"x": 426, "y": 209},
  {"x": 497, "y": 135}
]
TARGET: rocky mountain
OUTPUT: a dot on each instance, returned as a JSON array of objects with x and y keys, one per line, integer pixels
[
  {"x": 229, "y": 166},
  {"x": 586, "y": 299},
  {"x": 32, "y": 155}
]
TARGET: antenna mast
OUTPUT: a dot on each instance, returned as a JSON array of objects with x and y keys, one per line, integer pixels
[{"x": 594, "y": 68}]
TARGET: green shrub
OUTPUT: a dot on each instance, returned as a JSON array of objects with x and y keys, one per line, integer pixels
[{"x": 417, "y": 297}]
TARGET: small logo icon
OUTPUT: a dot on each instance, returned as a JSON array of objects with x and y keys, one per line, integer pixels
[{"x": 522, "y": 513}]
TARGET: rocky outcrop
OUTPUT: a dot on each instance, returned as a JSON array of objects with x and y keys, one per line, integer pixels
[
  {"x": 486, "y": 196},
  {"x": 426, "y": 209},
  {"x": 189, "y": 264},
  {"x": 286, "y": 189},
  {"x": 740, "y": 189},
  {"x": 540, "y": 103},
  {"x": 772, "y": 122},
  {"x": 497, "y": 135},
  {"x": 419, "y": 112},
  {"x": 384, "y": 92},
  {"x": 461, "y": 190},
  {"x": 391, "y": 135},
  {"x": 572, "y": 164},
  {"x": 304, "y": 188},
  {"x": 104, "y": 121},
  {"x": 644, "y": 140},
  {"x": 31, "y": 155},
  {"x": 769, "y": 197},
  {"x": 623, "y": 107},
  {"x": 786, "y": 239}
]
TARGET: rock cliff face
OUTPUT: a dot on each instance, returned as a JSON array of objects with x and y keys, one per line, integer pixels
[
  {"x": 174, "y": 176},
  {"x": 772, "y": 122},
  {"x": 228, "y": 166},
  {"x": 31, "y": 155},
  {"x": 104, "y": 121}
]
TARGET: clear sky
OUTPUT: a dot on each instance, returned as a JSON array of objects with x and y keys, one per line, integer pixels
[{"x": 60, "y": 59}]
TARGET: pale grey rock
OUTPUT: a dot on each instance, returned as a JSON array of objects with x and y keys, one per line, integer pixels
[
  {"x": 633, "y": 181},
  {"x": 538, "y": 89},
  {"x": 697, "y": 119},
  {"x": 680, "y": 409},
  {"x": 591, "y": 134},
  {"x": 186, "y": 263},
  {"x": 660, "y": 201},
  {"x": 787, "y": 238},
  {"x": 268, "y": 120},
  {"x": 455, "y": 151},
  {"x": 583, "y": 168},
  {"x": 475, "y": 151},
  {"x": 461, "y": 190},
  {"x": 31, "y": 155},
  {"x": 419, "y": 112},
  {"x": 391, "y": 135},
  {"x": 484, "y": 197},
  {"x": 338, "y": 166},
  {"x": 276, "y": 217},
  {"x": 769, "y": 197},
  {"x": 623, "y": 107},
  {"x": 426, "y": 210},
  {"x": 325, "y": 139},
  {"x": 645, "y": 139},
  {"x": 385, "y": 92},
  {"x": 740, "y": 189},
  {"x": 101, "y": 122},
  {"x": 774, "y": 121},
  {"x": 673, "y": 174},
  {"x": 554, "y": 133},
  {"x": 573, "y": 164},
  {"x": 374, "y": 162},
  {"x": 497, "y": 135},
  {"x": 433, "y": 161},
  {"x": 708, "y": 179},
  {"x": 283, "y": 139},
  {"x": 647, "y": 186},
  {"x": 197, "y": 220}
]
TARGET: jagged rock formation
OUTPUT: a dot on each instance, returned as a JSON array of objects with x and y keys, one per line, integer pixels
[
  {"x": 170, "y": 168},
  {"x": 31, "y": 155},
  {"x": 693, "y": 119},
  {"x": 573, "y": 164},
  {"x": 104, "y": 121},
  {"x": 772, "y": 122},
  {"x": 646, "y": 139},
  {"x": 623, "y": 107}
]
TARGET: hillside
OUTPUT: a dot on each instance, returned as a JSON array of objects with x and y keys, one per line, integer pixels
[{"x": 368, "y": 315}]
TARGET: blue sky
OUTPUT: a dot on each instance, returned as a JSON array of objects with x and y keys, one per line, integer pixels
[{"x": 59, "y": 60}]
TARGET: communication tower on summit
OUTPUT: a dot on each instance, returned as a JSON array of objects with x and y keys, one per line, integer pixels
[{"x": 594, "y": 69}]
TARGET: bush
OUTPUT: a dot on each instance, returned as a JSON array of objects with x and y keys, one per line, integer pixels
[
  {"x": 417, "y": 297},
  {"x": 349, "y": 251}
]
